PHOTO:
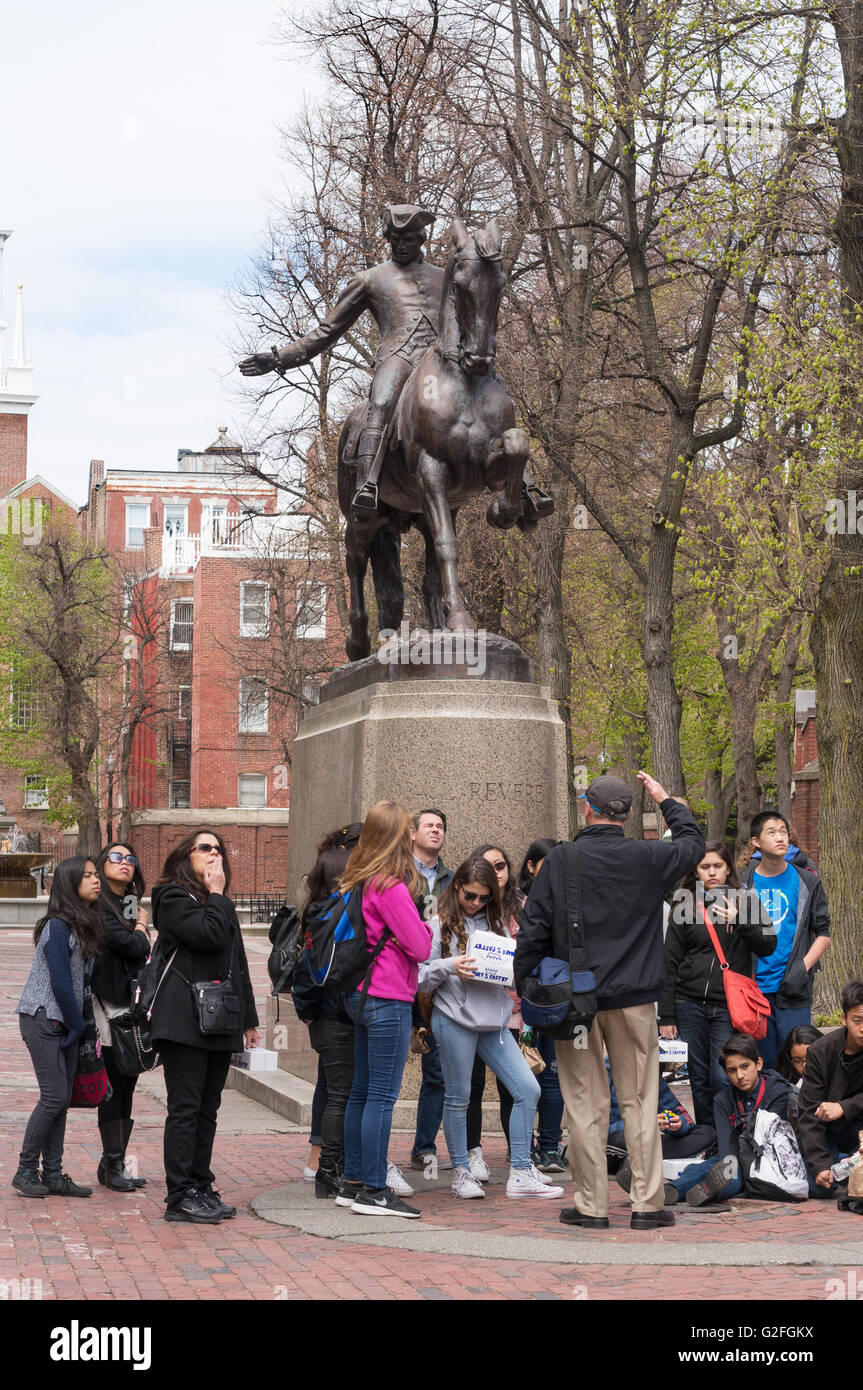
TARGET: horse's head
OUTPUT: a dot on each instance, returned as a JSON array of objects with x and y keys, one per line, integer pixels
[{"x": 477, "y": 280}]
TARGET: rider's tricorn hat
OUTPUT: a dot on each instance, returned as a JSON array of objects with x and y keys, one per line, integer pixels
[{"x": 405, "y": 217}]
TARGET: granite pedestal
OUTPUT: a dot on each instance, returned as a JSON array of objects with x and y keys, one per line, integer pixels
[{"x": 488, "y": 750}]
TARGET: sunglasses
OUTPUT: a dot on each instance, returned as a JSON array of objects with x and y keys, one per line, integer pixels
[
  {"x": 499, "y": 866},
  {"x": 115, "y": 857},
  {"x": 207, "y": 849},
  {"x": 475, "y": 897}
]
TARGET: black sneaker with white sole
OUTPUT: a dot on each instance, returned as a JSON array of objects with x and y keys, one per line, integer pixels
[
  {"x": 714, "y": 1180},
  {"x": 383, "y": 1202}
]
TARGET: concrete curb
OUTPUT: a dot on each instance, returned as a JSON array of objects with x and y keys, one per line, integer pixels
[{"x": 296, "y": 1206}]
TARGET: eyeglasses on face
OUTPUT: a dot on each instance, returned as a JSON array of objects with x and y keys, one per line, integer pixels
[
  {"x": 115, "y": 857},
  {"x": 475, "y": 897},
  {"x": 206, "y": 849}
]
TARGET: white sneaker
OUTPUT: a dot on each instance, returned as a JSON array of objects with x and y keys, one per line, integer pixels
[
  {"x": 478, "y": 1166},
  {"x": 464, "y": 1184},
  {"x": 523, "y": 1183},
  {"x": 308, "y": 1174},
  {"x": 543, "y": 1177},
  {"x": 396, "y": 1182}
]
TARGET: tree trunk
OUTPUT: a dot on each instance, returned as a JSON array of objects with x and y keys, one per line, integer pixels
[
  {"x": 664, "y": 706},
  {"x": 555, "y": 658},
  {"x": 837, "y": 626},
  {"x": 635, "y": 747},
  {"x": 719, "y": 799}
]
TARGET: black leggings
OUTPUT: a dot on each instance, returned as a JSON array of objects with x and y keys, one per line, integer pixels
[
  {"x": 333, "y": 1040},
  {"x": 119, "y": 1106}
]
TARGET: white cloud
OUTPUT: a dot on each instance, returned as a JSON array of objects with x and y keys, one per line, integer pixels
[{"x": 139, "y": 155}]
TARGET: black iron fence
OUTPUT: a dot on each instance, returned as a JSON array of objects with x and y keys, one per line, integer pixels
[{"x": 264, "y": 906}]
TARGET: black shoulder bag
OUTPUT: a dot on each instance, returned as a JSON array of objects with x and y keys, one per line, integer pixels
[
  {"x": 559, "y": 997},
  {"x": 218, "y": 1006}
]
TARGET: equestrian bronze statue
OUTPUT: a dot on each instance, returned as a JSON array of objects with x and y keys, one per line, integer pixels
[{"x": 438, "y": 427}]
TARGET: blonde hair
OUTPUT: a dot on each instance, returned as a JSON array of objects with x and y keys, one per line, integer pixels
[{"x": 384, "y": 853}]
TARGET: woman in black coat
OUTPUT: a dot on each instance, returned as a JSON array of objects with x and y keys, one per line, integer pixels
[
  {"x": 200, "y": 936},
  {"x": 127, "y": 946}
]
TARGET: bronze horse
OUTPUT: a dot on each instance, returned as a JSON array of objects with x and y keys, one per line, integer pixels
[{"x": 453, "y": 435}]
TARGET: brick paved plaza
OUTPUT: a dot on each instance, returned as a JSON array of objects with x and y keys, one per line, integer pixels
[{"x": 283, "y": 1245}]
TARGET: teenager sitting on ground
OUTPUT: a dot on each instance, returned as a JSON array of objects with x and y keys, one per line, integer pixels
[
  {"x": 831, "y": 1097},
  {"x": 750, "y": 1087}
]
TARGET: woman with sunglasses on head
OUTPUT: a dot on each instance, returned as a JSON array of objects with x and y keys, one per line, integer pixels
[
  {"x": 470, "y": 1018},
  {"x": 196, "y": 919},
  {"x": 127, "y": 946},
  {"x": 50, "y": 1015}
]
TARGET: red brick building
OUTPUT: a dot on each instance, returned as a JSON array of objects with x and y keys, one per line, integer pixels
[
  {"x": 231, "y": 619},
  {"x": 805, "y": 783}
]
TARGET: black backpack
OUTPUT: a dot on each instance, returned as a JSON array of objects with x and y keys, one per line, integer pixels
[
  {"x": 335, "y": 944},
  {"x": 287, "y": 943}
]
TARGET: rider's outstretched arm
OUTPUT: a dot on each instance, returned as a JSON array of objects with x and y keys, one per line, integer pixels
[{"x": 344, "y": 313}]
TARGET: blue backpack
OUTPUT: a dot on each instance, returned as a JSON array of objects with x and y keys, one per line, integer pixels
[{"x": 335, "y": 944}]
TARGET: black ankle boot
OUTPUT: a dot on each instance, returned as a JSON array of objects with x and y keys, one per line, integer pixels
[
  {"x": 328, "y": 1181},
  {"x": 128, "y": 1126},
  {"x": 110, "y": 1172}
]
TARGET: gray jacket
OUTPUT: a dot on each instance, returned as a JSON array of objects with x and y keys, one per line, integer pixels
[
  {"x": 480, "y": 1007},
  {"x": 38, "y": 992}
]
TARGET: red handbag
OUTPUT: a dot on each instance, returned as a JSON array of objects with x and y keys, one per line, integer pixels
[
  {"x": 747, "y": 1006},
  {"x": 89, "y": 1089}
]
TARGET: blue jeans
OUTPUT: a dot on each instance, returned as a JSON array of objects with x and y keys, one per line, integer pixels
[
  {"x": 696, "y": 1171},
  {"x": 380, "y": 1051},
  {"x": 779, "y": 1025},
  {"x": 704, "y": 1028},
  {"x": 499, "y": 1050},
  {"x": 550, "y": 1109},
  {"x": 430, "y": 1102}
]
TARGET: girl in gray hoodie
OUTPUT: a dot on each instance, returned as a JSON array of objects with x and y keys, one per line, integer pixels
[{"x": 470, "y": 1018}]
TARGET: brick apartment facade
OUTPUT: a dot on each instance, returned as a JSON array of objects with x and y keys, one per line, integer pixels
[{"x": 209, "y": 563}]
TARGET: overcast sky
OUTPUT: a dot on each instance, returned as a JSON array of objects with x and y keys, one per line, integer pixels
[{"x": 139, "y": 152}]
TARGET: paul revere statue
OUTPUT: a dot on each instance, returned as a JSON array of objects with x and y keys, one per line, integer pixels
[{"x": 403, "y": 296}]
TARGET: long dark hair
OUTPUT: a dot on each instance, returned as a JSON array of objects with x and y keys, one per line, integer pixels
[
  {"x": 510, "y": 903},
  {"x": 333, "y": 853},
  {"x": 178, "y": 870},
  {"x": 136, "y": 882},
  {"x": 802, "y": 1035},
  {"x": 452, "y": 919},
  {"x": 534, "y": 852},
  {"x": 715, "y": 847},
  {"x": 85, "y": 923}
]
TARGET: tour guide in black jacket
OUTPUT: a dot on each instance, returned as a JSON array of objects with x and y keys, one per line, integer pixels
[{"x": 623, "y": 886}]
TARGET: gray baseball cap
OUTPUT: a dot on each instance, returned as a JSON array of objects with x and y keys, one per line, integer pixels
[{"x": 609, "y": 796}]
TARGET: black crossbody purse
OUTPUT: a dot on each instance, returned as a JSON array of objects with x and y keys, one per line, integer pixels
[{"x": 217, "y": 1003}]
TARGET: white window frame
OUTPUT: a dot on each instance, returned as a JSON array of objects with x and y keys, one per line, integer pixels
[
  {"x": 176, "y": 646},
  {"x": 24, "y": 698},
  {"x": 142, "y": 506},
  {"x": 247, "y": 707},
  {"x": 184, "y": 706},
  {"x": 209, "y": 513},
  {"x": 249, "y": 628},
  {"x": 251, "y": 805},
  {"x": 176, "y": 507},
  {"x": 307, "y": 629},
  {"x": 35, "y": 786}
]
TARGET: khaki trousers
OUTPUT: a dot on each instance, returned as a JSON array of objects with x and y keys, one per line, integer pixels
[{"x": 631, "y": 1039}]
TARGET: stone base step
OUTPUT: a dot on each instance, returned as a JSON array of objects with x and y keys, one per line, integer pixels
[{"x": 291, "y": 1097}]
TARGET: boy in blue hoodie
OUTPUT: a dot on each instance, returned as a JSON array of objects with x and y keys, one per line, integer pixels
[{"x": 750, "y": 1087}]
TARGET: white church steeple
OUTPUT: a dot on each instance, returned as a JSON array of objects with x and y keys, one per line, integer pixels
[{"x": 16, "y": 369}]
